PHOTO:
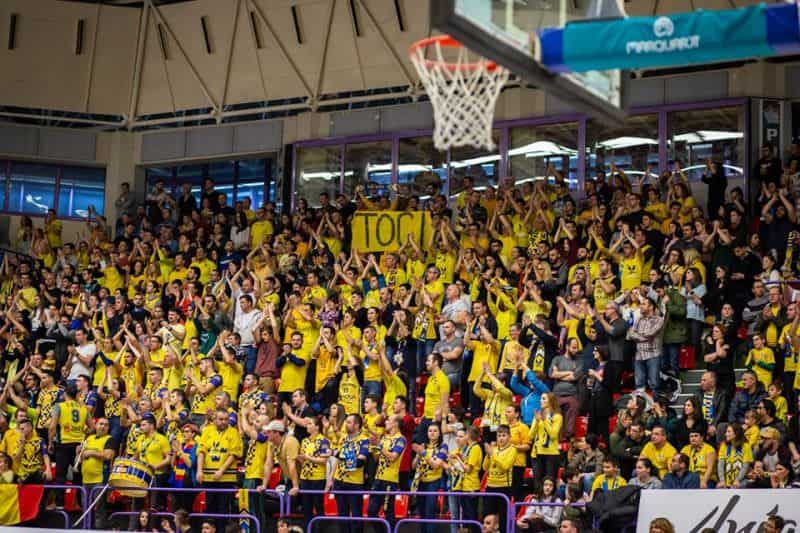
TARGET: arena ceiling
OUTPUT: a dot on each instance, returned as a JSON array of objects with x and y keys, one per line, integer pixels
[{"x": 139, "y": 63}]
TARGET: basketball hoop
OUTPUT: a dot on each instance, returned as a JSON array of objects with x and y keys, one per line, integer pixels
[{"x": 463, "y": 93}]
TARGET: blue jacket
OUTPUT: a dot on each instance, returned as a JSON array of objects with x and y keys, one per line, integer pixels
[
  {"x": 690, "y": 480},
  {"x": 531, "y": 390}
]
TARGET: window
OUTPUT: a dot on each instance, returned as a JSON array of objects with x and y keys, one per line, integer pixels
[
  {"x": 252, "y": 177},
  {"x": 224, "y": 175},
  {"x": 318, "y": 170},
  {"x": 236, "y": 179},
  {"x": 532, "y": 149},
  {"x": 632, "y": 148},
  {"x": 369, "y": 165},
  {"x": 481, "y": 165},
  {"x": 421, "y": 168},
  {"x": 698, "y": 135},
  {"x": 33, "y": 188},
  {"x": 79, "y": 189}
]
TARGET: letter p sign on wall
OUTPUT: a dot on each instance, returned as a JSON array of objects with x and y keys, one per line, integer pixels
[{"x": 385, "y": 231}]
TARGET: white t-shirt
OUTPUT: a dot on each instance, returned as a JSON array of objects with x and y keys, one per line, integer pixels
[{"x": 78, "y": 368}]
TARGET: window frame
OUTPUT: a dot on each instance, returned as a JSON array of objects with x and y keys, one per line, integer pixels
[
  {"x": 6, "y": 165},
  {"x": 661, "y": 111}
]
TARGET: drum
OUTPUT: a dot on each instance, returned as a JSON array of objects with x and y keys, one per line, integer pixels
[{"x": 130, "y": 477}]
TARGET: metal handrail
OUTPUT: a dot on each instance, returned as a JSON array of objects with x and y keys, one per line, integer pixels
[
  {"x": 509, "y": 516},
  {"x": 196, "y": 515},
  {"x": 198, "y": 490},
  {"x": 349, "y": 519},
  {"x": 435, "y": 521}
]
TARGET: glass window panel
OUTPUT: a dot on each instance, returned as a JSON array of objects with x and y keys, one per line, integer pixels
[
  {"x": 632, "y": 147},
  {"x": 481, "y": 165},
  {"x": 33, "y": 188},
  {"x": 532, "y": 148},
  {"x": 80, "y": 188},
  {"x": 368, "y": 165},
  {"x": 251, "y": 181},
  {"x": 419, "y": 164},
  {"x": 318, "y": 170},
  {"x": 159, "y": 173},
  {"x": 194, "y": 174},
  {"x": 3, "y": 176},
  {"x": 698, "y": 135},
  {"x": 223, "y": 173}
]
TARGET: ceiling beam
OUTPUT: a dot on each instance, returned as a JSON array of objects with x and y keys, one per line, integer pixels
[
  {"x": 200, "y": 81},
  {"x": 284, "y": 52},
  {"x": 236, "y": 11},
  {"x": 144, "y": 22},
  {"x": 387, "y": 42},
  {"x": 324, "y": 59}
]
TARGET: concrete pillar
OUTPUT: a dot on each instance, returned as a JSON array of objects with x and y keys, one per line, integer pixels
[{"x": 122, "y": 168}]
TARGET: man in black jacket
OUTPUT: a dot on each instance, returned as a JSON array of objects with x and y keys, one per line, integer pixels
[
  {"x": 713, "y": 402},
  {"x": 616, "y": 329}
]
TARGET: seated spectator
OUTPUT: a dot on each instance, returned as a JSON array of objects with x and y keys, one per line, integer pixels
[
  {"x": 646, "y": 476},
  {"x": 679, "y": 476}
]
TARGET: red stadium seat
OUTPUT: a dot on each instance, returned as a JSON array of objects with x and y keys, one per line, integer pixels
[
  {"x": 329, "y": 505},
  {"x": 200, "y": 503},
  {"x": 401, "y": 506},
  {"x": 455, "y": 399},
  {"x": 686, "y": 359},
  {"x": 274, "y": 478},
  {"x": 612, "y": 425},
  {"x": 528, "y": 474},
  {"x": 71, "y": 503},
  {"x": 364, "y": 505},
  {"x": 419, "y": 406},
  {"x": 524, "y": 508},
  {"x": 581, "y": 426}
]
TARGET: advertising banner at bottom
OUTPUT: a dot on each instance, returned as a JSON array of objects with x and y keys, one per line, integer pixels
[{"x": 724, "y": 511}]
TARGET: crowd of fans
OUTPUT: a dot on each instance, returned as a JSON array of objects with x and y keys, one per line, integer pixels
[{"x": 531, "y": 347}]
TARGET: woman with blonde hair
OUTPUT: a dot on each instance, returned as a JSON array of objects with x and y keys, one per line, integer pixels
[{"x": 545, "y": 434}]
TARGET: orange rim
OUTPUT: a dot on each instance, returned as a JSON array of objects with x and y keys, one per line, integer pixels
[{"x": 448, "y": 42}]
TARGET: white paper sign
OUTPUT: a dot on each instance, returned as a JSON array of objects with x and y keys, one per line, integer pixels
[{"x": 724, "y": 511}]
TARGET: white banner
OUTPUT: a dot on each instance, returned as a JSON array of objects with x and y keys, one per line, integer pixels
[{"x": 724, "y": 511}]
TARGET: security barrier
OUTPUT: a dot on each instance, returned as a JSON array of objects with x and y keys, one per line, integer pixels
[{"x": 435, "y": 521}]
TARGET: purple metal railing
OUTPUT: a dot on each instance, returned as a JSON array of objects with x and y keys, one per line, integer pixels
[
  {"x": 348, "y": 519},
  {"x": 436, "y": 521}
]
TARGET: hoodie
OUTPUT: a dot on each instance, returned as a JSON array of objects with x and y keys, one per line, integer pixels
[{"x": 531, "y": 390}]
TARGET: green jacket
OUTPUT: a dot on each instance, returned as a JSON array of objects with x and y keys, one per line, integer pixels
[{"x": 675, "y": 327}]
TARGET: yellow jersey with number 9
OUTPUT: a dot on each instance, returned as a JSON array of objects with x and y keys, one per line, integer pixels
[{"x": 72, "y": 422}]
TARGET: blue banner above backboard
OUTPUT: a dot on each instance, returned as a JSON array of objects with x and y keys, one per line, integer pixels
[{"x": 665, "y": 41}]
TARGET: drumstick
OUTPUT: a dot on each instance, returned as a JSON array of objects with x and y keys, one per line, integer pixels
[{"x": 89, "y": 510}]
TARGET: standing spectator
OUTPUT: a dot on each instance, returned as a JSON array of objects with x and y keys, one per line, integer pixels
[
  {"x": 646, "y": 332},
  {"x": 714, "y": 177},
  {"x": 218, "y": 456},
  {"x": 768, "y": 167}
]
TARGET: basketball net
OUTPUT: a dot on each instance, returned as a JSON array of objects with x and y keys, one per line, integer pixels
[{"x": 463, "y": 92}]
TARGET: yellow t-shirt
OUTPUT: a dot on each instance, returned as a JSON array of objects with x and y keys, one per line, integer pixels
[
  {"x": 231, "y": 375},
  {"x": 764, "y": 356},
  {"x": 152, "y": 450},
  {"x": 734, "y": 460},
  {"x": 520, "y": 434},
  {"x": 470, "y": 481},
  {"x": 500, "y": 466},
  {"x": 545, "y": 434},
  {"x": 216, "y": 446},
  {"x": 631, "y": 269},
  {"x": 293, "y": 377},
  {"x": 317, "y": 446},
  {"x": 697, "y": 459},
  {"x": 350, "y": 393},
  {"x": 72, "y": 418},
  {"x": 601, "y": 482},
  {"x": 326, "y": 367},
  {"x": 255, "y": 458},
  {"x": 92, "y": 467},
  {"x": 390, "y": 470},
  {"x": 260, "y": 231},
  {"x": 438, "y": 384},
  {"x": 660, "y": 458},
  {"x": 483, "y": 352}
]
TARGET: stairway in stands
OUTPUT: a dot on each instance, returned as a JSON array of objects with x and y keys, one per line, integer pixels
[{"x": 690, "y": 384}]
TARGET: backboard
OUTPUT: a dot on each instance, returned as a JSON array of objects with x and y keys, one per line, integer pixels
[{"x": 506, "y": 31}]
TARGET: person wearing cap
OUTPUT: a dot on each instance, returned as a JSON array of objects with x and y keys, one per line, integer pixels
[
  {"x": 219, "y": 453},
  {"x": 67, "y": 430},
  {"x": 203, "y": 389},
  {"x": 770, "y": 451}
]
